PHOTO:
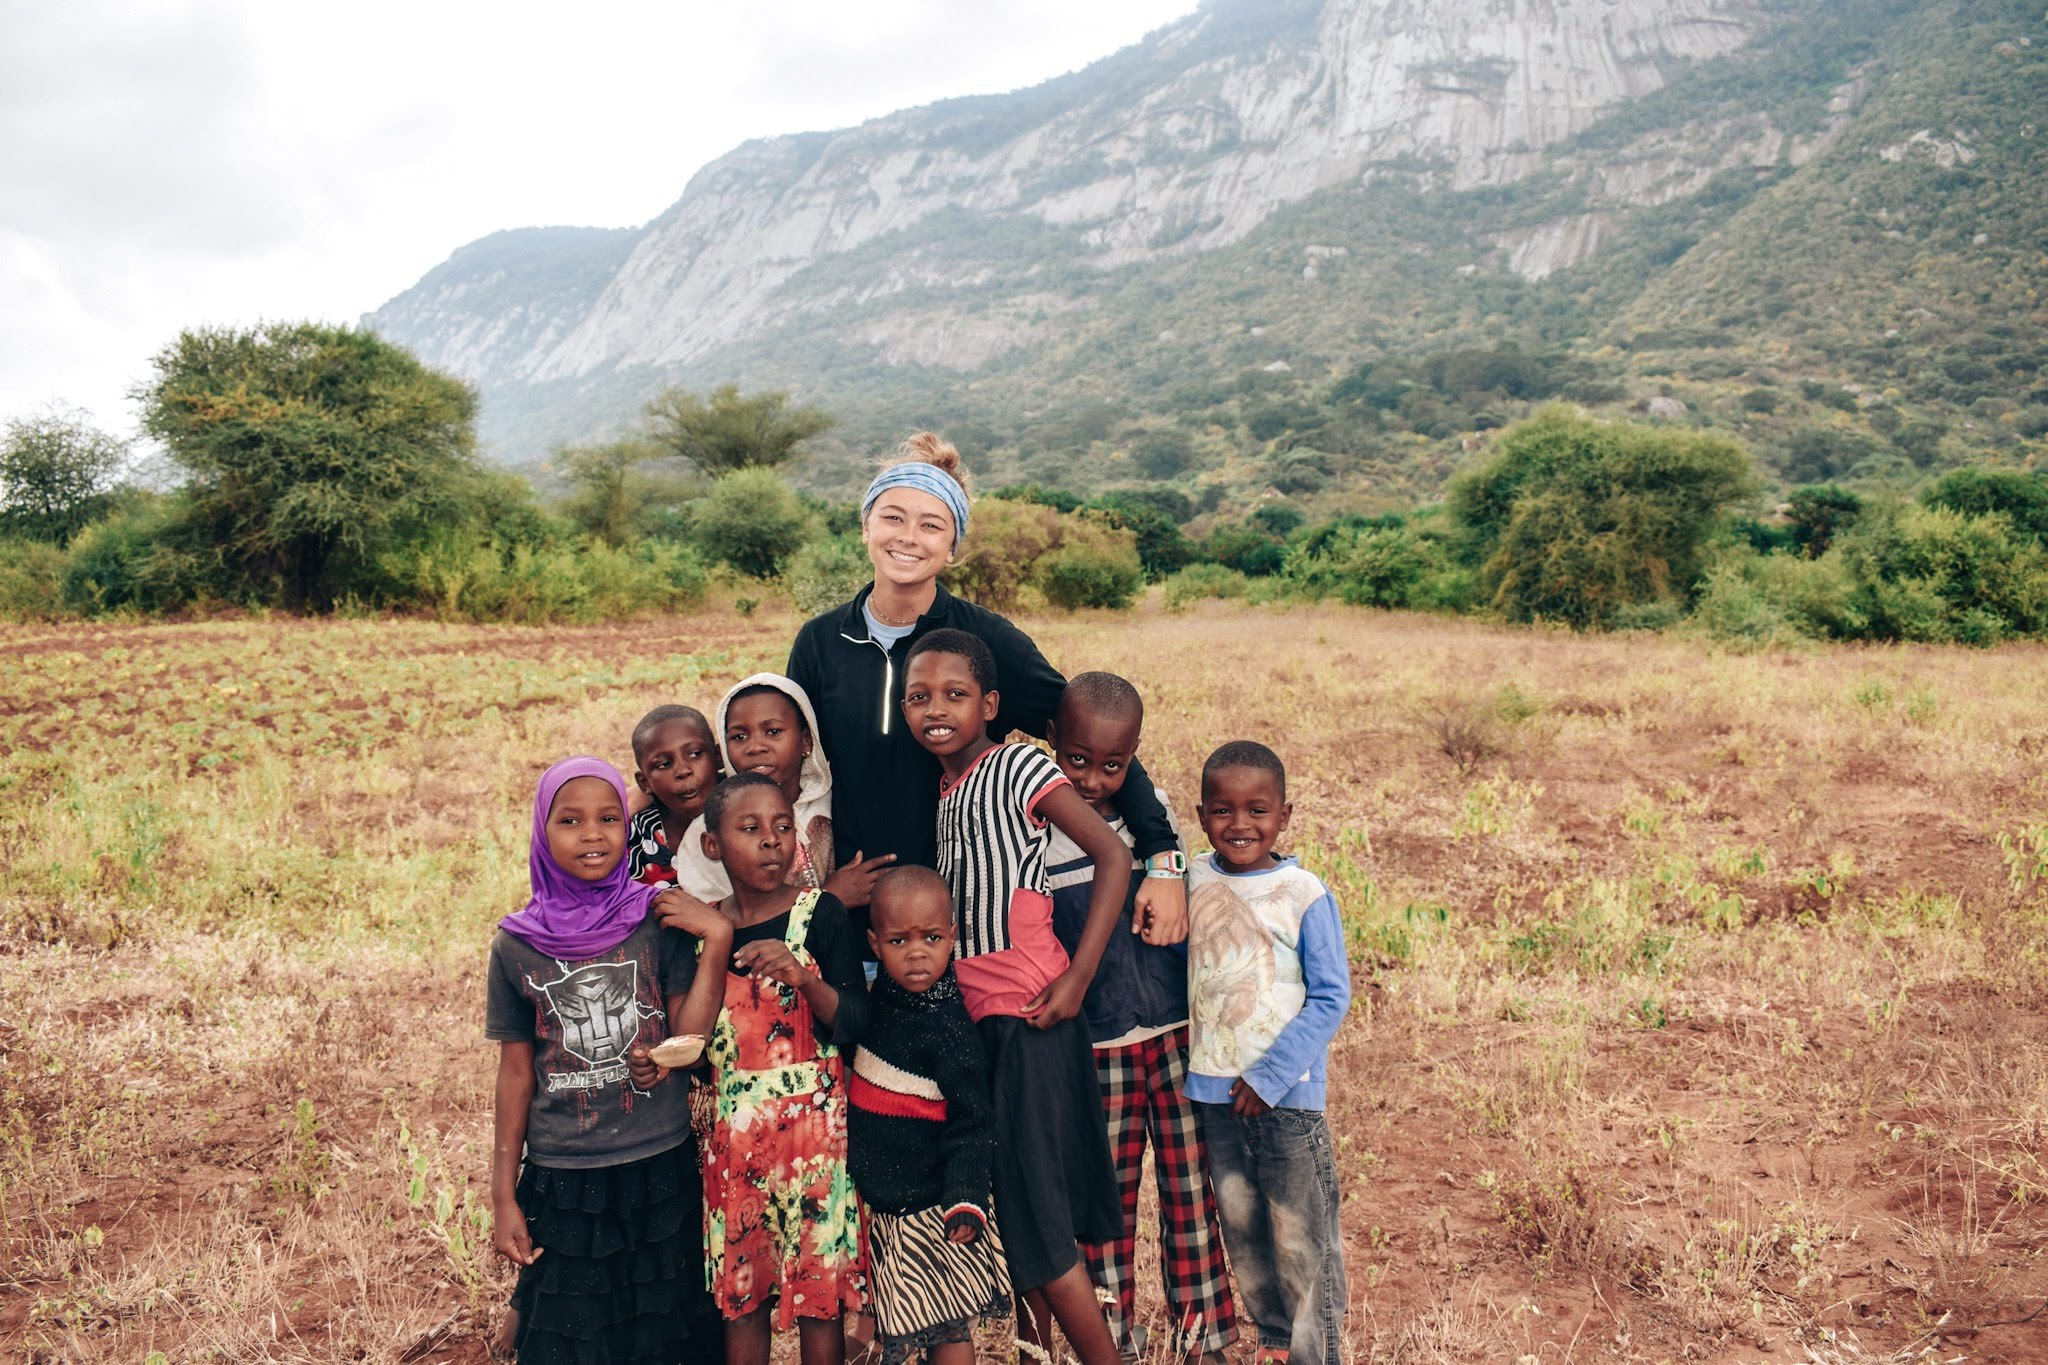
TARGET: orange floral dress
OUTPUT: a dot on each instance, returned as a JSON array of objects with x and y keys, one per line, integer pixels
[{"x": 780, "y": 1214}]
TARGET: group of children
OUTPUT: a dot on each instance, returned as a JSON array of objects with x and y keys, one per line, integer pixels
[{"x": 906, "y": 1134}]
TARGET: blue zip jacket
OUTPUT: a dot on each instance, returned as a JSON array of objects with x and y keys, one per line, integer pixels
[{"x": 1137, "y": 986}]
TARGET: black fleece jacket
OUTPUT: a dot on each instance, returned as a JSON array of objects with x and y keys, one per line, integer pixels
[{"x": 885, "y": 787}]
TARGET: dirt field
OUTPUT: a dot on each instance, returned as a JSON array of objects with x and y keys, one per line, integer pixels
[{"x": 1700, "y": 997}]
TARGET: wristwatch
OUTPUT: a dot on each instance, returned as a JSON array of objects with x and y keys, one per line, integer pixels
[{"x": 1172, "y": 863}]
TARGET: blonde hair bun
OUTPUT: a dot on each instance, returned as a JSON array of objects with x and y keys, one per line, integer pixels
[{"x": 928, "y": 447}]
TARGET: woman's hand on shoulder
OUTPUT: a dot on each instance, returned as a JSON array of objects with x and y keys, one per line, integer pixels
[{"x": 854, "y": 884}]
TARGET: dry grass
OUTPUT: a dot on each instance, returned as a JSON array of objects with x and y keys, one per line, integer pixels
[{"x": 1700, "y": 996}]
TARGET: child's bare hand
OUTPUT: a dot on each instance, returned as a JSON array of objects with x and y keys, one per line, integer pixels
[
  {"x": 645, "y": 1071},
  {"x": 1058, "y": 1002},
  {"x": 770, "y": 957},
  {"x": 963, "y": 1229},
  {"x": 509, "y": 1235},
  {"x": 1162, "y": 911},
  {"x": 1245, "y": 1101},
  {"x": 679, "y": 909},
  {"x": 854, "y": 883}
]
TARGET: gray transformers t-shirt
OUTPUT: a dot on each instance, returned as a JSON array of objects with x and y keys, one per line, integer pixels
[{"x": 582, "y": 1018}]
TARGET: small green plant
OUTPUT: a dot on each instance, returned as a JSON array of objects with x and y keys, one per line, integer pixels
[
  {"x": 1873, "y": 693},
  {"x": 301, "y": 1173},
  {"x": 2026, "y": 856},
  {"x": 1496, "y": 806},
  {"x": 1642, "y": 817},
  {"x": 1738, "y": 864},
  {"x": 746, "y": 605},
  {"x": 450, "y": 1212}
]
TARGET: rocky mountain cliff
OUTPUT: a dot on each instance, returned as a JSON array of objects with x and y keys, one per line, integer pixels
[{"x": 1276, "y": 185}]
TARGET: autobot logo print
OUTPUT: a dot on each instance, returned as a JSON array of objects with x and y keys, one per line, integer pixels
[{"x": 598, "y": 1009}]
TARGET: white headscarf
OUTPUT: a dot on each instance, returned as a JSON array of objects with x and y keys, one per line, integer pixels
[{"x": 705, "y": 879}]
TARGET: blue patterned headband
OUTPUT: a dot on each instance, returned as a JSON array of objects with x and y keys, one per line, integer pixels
[{"x": 925, "y": 478}]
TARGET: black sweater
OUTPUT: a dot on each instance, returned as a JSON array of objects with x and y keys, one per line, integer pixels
[
  {"x": 885, "y": 786},
  {"x": 920, "y": 1124}
]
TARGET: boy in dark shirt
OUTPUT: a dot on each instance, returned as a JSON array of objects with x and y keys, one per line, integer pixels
[
  {"x": 675, "y": 762},
  {"x": 1137, "y": 1014}
]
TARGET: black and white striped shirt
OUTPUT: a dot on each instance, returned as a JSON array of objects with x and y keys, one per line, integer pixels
[{"x": 992, "y": 847}]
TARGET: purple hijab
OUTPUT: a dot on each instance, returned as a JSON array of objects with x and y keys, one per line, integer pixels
[{"x": 569, "y": 918}]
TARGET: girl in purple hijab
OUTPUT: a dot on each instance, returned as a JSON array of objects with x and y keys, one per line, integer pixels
[
  {"x": 595, "y": 1188},
  {"x": 571, "y": 915}
]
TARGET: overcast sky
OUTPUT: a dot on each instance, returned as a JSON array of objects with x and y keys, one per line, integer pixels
[{"x": 186, "y": 162}]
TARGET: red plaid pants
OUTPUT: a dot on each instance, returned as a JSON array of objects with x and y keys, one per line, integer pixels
[{"x": 1141, "y": 1093}]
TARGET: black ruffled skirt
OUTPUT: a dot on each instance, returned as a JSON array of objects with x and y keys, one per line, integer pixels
[{"x": 621, "y": 1272}]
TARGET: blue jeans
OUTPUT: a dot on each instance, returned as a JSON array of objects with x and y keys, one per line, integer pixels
[{"x": 1276, "y": 1190}]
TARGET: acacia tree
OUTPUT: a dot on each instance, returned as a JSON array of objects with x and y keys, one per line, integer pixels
[
  {"x": 619, "y": 488},
  {"x": 303, "y": 443},
  {"x": 56, "y": 470},
  {"x": 1575, "y": 518},
  {"x": 731, "y": 431}
]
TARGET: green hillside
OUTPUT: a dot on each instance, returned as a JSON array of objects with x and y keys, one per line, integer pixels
[
  {"x": 1753, "y": 301},
  {"x": 1831, "y": 244}
]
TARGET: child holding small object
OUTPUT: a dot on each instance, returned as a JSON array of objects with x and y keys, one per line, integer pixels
[
  {"x": 675, "y": 762},
  {"x": 1269, "y": 982},
  {"x": 1054, "y": 1186},
  {"x": 595, "y": 1190},
  {"x": 781, "y": 1222},
  {"x": 921, "y": 1134},
  {"x": 1137, "y": 1014}
]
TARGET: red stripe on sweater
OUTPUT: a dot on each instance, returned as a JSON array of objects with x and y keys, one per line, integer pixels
[{"x": 865, "y": 1094}]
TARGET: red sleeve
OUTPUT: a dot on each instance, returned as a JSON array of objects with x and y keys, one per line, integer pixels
[{"x": 1048, "y": 778}]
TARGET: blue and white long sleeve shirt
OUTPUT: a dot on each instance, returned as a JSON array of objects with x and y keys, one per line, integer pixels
[{"x": 1269, "y": 983}]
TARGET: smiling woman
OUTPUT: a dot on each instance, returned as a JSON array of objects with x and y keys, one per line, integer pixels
[{"x": 851, "y": 659}]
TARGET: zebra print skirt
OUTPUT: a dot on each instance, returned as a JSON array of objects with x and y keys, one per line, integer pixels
[{"x": 928, "y": 1290}]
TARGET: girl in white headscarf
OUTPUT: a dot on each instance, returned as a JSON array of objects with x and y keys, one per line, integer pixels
[{"x": 765, "y": 725}]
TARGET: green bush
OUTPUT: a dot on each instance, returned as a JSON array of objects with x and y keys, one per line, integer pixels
[
  {"x": 827, "y": 572},
  {"x": 1936, "y": 574},
  {"x": 1252, "y": 552},
  {"x": 1818, "y": 514},
  {"x": 466, "y": 578},
  {"x": 2021, "y": 497},
  {"x": 1007, "y": 540},
  {"x": 1092, "y": 570},
  {"x": 1375, "y": 562},
  {"x": 31, "y": 580},
  {"x": 752, "y": 520},
  {"x": 1163, "y": 454},
  {"x": 1575, "y": 519},
  {"x": 1199, "y": 581},
  {"x": 1151, "y": 518},
  {"x": 141, "y": 559},
  {"x": 1736, "y": 609}
]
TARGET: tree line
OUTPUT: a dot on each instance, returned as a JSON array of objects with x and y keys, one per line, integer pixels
[{"x": 320, "y": 468}]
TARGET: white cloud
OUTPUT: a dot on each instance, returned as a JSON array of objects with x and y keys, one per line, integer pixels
[{"x": 169, "y": 165}]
